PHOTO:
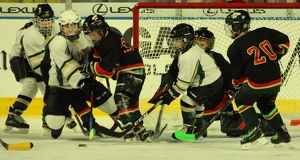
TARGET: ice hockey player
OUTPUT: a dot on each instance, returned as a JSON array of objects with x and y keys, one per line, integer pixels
[
  {"x": 114, "y": 58},
  {"x": 205, "y": 39},
  {"x": 192, "y": 73},
  {"x": 64, "y": 56},
  {"x": 25, "y": 57},
  {"x": 254, "y": 59}
]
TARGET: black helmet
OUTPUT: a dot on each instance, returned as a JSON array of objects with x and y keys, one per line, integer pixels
[
  {"x": 237, "y": 22},
  {"x": 185, "y": 32},
  {"x": 43, "y": 11},
  {"x": 205, "y": 35},
  {"x": 95, "y": 23}
]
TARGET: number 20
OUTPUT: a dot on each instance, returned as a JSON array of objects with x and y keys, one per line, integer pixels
[{"x": 266, "y": 47}]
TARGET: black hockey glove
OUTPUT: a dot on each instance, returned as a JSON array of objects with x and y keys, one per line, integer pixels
[
  {"x": 88, "y": 68},
  {"x": 169, "y": 95}
]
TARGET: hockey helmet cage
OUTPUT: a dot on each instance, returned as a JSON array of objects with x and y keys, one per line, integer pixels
[
  {"x": 70, "y": 17},
  {"x": 43, "y": 19},
  {"x": 94, "y": 23},
  {"x": 184, "y": 32},
  {"x": 203, "y": 34},
  {"x": 236, "y": 23}
]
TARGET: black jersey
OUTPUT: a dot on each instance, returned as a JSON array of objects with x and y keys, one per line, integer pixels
[
  {"x": 113, "y": 55},
  {"x": 254, "y": 59}
]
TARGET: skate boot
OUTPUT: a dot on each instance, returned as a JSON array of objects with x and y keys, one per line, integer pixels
[
  {"x": 47, "y": 129},
  {"x": 143, "y": 134},
  {"x": 254, "y": 138},
  {"x": 282, "y": 138},
  {"x": 138, "y": 133},
  {"x": 187, "y": 128},
  {"x": 70, "y": 123},
  {"x": 15, "y": 120}
]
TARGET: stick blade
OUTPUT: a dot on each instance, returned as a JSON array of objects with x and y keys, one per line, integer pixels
[
  {"x": 92, "y": 133},
  {"x": 19, "y": 146},
  {"x": 185, "y": 137},
  {"x": 158, "y": 133}
]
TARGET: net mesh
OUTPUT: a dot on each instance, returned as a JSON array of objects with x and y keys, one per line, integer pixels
[{"x": 157, "y": 51}]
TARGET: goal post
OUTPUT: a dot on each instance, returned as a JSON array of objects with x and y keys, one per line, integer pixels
[{"x": 152, "y": 23}]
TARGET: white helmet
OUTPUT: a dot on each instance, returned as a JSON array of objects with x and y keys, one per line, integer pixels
[{"x": 69, "y": 17}]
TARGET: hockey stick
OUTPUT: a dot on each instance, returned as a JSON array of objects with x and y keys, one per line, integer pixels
[
  {"x": 145, "y": 115},
  {"x": 111, "y": 133},
  {"x": 17, "y": 146},
  {"x": 157, "y": 131},
  {"x": 92, "y": 130},
  {"x": 116, "y": 123},
  {"x": 84, "y": 131},
  {"x": 192, "y": 137}
]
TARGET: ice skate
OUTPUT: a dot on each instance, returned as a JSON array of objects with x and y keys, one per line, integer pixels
[
  {"x": 282, "y": 139},
  {"x": 15, "y": 120},
  {"x": 70, "y": 123},
  {"x": 139, "y": 133},
  {"x": 143, "y": 134},
  {"x": 254, "y": 138}
]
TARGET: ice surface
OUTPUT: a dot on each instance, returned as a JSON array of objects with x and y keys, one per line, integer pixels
[{"x": 217, "y": 146}]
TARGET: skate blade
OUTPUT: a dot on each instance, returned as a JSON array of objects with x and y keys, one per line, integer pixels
[
  {"x": 259, "y": 142},
  {"x": 283, "y": 146},
  {"x": 10, "y": 130}
]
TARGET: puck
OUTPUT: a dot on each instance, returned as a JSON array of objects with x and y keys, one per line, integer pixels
[{"x": 82, "y": 145}]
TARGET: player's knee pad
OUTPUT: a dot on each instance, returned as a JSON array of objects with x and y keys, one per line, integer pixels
[
  {"x": 109, "y": 106},
  {"x": 121, "y": 101},
  {"x": 130, "y": 83},
  {"x": 55, "y": 121},
  {"x": 199, "y": 108},
  {"x": 42, "y": 87},
  {"x": 29, "y": 87},
  {"x": 187, "y": 104},
  {"x": 186, "y": 99}
]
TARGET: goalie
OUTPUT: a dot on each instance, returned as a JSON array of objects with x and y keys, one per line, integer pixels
[{"x": 192, "y": 73}]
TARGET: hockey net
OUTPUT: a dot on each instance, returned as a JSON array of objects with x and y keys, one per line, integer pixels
[{"x": 152, "y": 23}]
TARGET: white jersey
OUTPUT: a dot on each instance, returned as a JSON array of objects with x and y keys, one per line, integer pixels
[
  {"x": 16, "y": 50},
  {"x": 30, "y": 44},
  {"x": 196, "y": 68},
  {"x": 65, "y": 59}
]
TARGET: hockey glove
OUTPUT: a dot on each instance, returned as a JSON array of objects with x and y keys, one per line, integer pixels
[
  {"x": 169, "y": 95},
  {"x": 88, "y": 68}
]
